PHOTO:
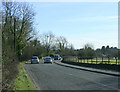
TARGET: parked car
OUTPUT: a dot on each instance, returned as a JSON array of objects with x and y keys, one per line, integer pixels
[
  {"x": 57, "y": 57},
  {"x": 48, "y": 60},
  {"x": 35, "y": 59}
]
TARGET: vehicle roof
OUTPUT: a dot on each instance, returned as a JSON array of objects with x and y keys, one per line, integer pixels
[
  {"x": 47, "y": 57},
  {"x": 35, "y": 56},
  {"x": 57, "y": 55}
]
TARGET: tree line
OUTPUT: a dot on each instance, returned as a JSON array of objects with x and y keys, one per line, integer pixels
[
  {"x": 105, "y": 51},
  {"x": 49, "y": 45}
]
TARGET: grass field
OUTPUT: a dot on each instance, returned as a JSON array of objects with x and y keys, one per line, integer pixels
[
  {"x": 99, "y": 61},
  {"x": 23, "y": 82}
]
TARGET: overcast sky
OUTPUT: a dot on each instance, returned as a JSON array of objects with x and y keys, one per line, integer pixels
[{"x": 79, "y": 22}]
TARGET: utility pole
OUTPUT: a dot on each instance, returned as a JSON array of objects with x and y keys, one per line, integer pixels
[
  {"x": 47, "y": 45},
  {"x": 14, "y": 34}
]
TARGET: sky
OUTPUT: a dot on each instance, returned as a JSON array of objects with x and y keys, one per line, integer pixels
[{"x": 95, "y": 23}]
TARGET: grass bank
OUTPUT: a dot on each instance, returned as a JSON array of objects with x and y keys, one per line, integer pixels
[{"x": 23, "y": 81}]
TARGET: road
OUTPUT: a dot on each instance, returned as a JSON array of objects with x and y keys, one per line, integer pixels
[{"x": 56, "y": 77}]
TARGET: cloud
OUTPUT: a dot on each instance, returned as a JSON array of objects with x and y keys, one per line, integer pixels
[
  {"x": 113, "y": 17},
  {"x": 93, "y": 18},
  {"x": 97, "y": 43}
]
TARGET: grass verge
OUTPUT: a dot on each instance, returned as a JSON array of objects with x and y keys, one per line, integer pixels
[{"x": 23, "y": 81}]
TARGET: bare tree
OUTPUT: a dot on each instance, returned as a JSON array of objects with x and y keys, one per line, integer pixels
[
  {"x": 88, "y": 45},
  {"x": 87, "y": 51},
  {"x": 48, "y": 40},
  {"x": 62, "y": 42}
]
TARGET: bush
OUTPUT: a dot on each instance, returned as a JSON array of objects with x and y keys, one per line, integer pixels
[{"x": 10, "y": 68}]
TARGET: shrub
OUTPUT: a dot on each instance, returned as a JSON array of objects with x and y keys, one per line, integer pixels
[{"x": 9, "y": 67}]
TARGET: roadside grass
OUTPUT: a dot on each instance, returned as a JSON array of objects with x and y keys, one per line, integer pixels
[
  {"x": 99, "y": 61},
  {"x": 23, "y": 81}
]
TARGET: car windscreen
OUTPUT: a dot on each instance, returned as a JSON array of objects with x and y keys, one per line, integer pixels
[
  {"x": 57, "y": 56},
  {"x": 47, "y": 58},
  {"x": 34, "y": 57}
]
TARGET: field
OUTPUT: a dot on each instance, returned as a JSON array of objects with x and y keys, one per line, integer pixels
[
  {"x": 100, "y": 61},
  {"x": 92, "y": 61}
]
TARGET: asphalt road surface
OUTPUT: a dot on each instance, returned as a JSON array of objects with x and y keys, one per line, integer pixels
[{"x": 56, "y": 77}]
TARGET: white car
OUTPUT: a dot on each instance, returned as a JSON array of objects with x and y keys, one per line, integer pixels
[
  {"x": 35, "y": 59},
  {"x": 48, "y": 60}
]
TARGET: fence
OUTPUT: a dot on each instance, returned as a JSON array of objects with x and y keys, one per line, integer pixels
[
  {"x": 70, "y": 58},
  {"x": 96, "y": 60}
]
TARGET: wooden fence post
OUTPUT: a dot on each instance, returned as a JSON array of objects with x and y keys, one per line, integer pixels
[
  {"x": 108, "y": 60},
  {"x": 91, "y": 59},
  {"x": 96, "y": 60},
  {"x": 102, "y": 59},
  {"x": 116, "y": 60}
]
